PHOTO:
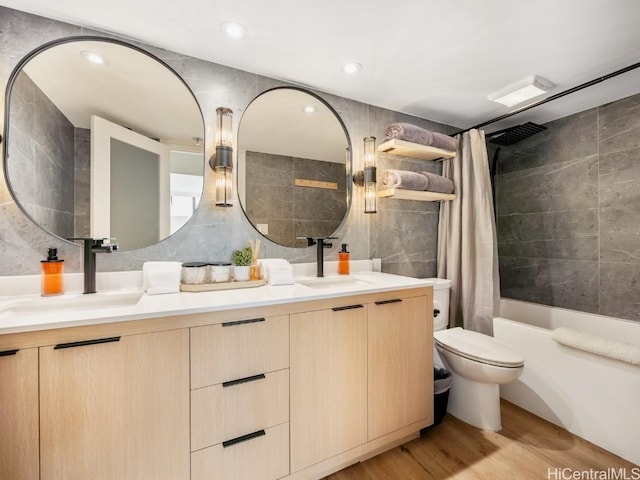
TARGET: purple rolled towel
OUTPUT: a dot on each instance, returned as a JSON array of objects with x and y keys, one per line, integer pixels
[
  {"x": 438, "y": 183},
  {"x": 415, "y": 134},
  {"x": 405, "y": 180}
]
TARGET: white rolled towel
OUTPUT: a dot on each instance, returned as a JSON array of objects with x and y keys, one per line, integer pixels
[
  {"x": 276, "y": 271},
  {"x": 268, "y": 265},
  {"x": 625, "y": 352},
  {"x": 161, "y": 277}
]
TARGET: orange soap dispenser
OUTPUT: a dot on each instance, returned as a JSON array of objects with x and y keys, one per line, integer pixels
[
  {"x": 343, "y": 260},
  {"x": 52, "y": 274}
]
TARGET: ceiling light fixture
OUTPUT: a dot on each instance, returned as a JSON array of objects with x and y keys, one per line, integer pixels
[
  {"x": 94, "y": 57},
  {"x": 234, "y": 30},
  {"x": 351, "y": 68},
  {"x": 521, "y": 91}
]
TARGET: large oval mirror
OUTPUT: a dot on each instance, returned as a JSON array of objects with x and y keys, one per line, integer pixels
[
  {"x": 294, "y": 166},
  {"x": 102, "y": 140}
]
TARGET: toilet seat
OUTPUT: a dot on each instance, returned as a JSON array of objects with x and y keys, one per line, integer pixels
[{"x": 478, "y": 347}]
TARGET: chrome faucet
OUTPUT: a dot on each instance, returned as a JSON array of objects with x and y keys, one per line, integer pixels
[
  {"x": 91, "y": 247},
  {"x": 321, "y": 243}
]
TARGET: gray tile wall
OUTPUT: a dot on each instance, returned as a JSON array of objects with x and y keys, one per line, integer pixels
[
  {"x": 41, "y": 168},
  {"x": 292, "y": 211},
  {"x": 568, "y": 204},
  {"x": 403, "y": 234}
]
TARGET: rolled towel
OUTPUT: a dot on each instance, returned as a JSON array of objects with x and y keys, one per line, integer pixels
[
  {"x": 624, "y": 352},
  {"x": 273, "y": 264},
  {"x": 161, "y": 277},
  {"x": 276, "y": 271},
  {"x": 438, "y": 183},
  {"x": 415, "y": 134},
  {"x": 405, "y": 180}
]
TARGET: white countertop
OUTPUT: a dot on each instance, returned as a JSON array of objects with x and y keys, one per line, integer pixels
[{"x": 30, "y": 312}]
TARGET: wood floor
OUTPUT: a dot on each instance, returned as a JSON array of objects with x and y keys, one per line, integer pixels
[{"x": 528, "y": 447}]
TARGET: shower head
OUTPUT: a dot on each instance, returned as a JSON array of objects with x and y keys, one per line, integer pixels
[{"x": 512, "y": 135}]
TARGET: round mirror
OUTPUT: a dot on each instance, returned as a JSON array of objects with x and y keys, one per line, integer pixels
[
  {"x": 102, "y": 140},
  {"x": 294, "y": 166}
]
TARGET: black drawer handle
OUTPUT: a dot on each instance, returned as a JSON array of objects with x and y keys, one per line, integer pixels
[
  {"x": 243, "y": 438},
  {"x": 6, "y": 353},
  {"x": 84, "y": 343},
  {"x": 384, "y": 302},
  {"x": 436, "y": 312},
  {"x": 242, "y": 322},
  {"x": 239, "y": 381},
  {"x": 348, "y": 307}
]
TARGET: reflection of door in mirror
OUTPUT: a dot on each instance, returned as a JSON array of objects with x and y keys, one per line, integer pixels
[{"x": 128, "y": 170}]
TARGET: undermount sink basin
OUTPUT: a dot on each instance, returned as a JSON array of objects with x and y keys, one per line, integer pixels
[
  {"x": 332, "y": 281},
  {"x": 68, "y": 303}
]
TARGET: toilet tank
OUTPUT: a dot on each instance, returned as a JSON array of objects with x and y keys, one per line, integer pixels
[{"x": 441, "y": 288}]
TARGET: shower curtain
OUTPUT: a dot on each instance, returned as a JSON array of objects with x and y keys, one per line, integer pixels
[{"x": 467, "y": 245}]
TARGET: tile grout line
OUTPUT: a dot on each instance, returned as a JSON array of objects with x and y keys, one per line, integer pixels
[{"x": 598, "y": 203}]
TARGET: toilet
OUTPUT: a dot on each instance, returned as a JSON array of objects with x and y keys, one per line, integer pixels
[{"x": 478, "y": 363}]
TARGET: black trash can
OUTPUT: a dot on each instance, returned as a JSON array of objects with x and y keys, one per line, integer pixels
[{"x": 441, "y": 386}]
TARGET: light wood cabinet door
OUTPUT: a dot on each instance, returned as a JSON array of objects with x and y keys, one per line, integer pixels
[
  {"x": 400, "y": 364},
  {"x": 19, "y": 414},
  {"x": 328, "y": 381},
  {"x": 116, "y": 409}
]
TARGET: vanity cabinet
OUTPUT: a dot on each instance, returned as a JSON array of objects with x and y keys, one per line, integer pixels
[
  {"x": 116, "y": 407},
  {"x": 19, "y": 414},
  {"x": 328, "y": 383},
  {"x": 400, "y": 364},
  {"x": 361, "y": 379},
  {"x": 293, "y": 390},
  {"x": 240, "y": 399}
]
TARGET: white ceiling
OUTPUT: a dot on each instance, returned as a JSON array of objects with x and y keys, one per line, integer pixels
[{"x": 437, "y": 59}]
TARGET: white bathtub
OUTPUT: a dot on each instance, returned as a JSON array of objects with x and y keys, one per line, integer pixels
[{"x": 594, "y": 397}]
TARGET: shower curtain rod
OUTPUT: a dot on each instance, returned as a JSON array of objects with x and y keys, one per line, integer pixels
[{"x": 553, "y": 97}]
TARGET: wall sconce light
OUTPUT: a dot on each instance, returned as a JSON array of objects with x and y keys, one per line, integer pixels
[
  {"x": 367, "y": 178},
  {"x": 221, "y": 162}
]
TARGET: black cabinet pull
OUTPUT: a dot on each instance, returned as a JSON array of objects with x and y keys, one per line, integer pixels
[
  {"x": 242, "y": 322},
  {"x": 84, "y": 343},
  {"x": 243, "y": 438},
  {"x": 348, "y": 307},
  {"x": 253, "y": 378},
  {"x": 436, "y": 312},
  {"x": 384, "y": 302},
  {"x": 6, "y": 353}
]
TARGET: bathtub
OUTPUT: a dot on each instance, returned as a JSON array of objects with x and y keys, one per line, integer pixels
[{"x": 594, "y": 397}]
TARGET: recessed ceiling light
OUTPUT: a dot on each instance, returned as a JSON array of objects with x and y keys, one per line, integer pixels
[
  {"x": 351, "y": 68},
  {"x": 309, "y": 109},
  {"x": 234, "y": 30},
  {"x": 521, "y": 91},
  {"x": 94, "y": 57}
]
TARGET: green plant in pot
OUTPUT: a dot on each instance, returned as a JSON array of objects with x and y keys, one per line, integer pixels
[{"x": 241, "y": 264}]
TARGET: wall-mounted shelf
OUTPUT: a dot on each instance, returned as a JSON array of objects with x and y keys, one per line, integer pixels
[
  {"x": 415, "y": 150},
  {"x": 402, "y": 194}
]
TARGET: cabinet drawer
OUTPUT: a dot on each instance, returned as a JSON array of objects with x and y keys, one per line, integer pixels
[
  {"x": 265, "y": 456},
  {"x": 225, "y": 411},
  {"x": 233, "y": 350}
]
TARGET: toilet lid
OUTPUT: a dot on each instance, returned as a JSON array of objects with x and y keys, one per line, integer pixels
[{"x": 479, "y": 347}]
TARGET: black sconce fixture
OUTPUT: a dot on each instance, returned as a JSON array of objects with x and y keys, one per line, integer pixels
[
  {"x": 221, "y": 162},
  {"x": 367, "y": 178}
]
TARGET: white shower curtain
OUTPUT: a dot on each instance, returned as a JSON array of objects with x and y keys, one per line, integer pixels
[{"x": 467, "y": 245}]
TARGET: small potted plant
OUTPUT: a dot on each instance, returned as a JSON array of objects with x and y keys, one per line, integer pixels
[{"x": 242, "y": 260}]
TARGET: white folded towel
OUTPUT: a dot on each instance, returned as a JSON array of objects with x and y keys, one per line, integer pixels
[
  {"x": 161, "y": 277},
  {"x": 625, "y": 352},
  {"x": 276, "y": 271}
]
